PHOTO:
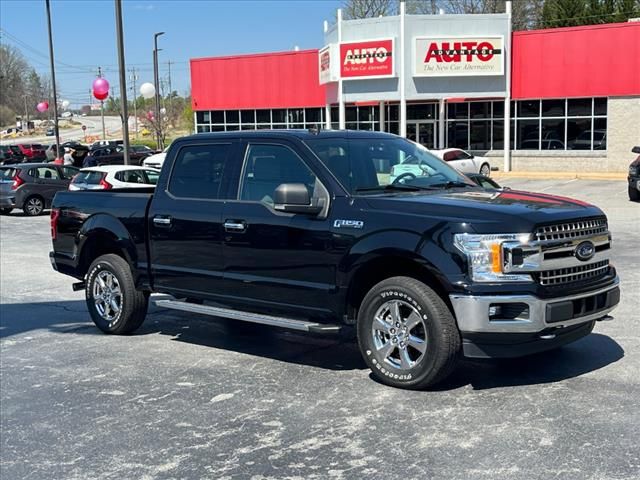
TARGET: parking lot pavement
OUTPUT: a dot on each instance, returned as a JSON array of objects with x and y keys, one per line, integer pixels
[{"x": 191, "y": 397}]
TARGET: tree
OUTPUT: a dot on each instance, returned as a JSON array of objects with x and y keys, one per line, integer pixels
[
  {"x": 570, "y": 13},
  {"x": 353, "y": 9}
]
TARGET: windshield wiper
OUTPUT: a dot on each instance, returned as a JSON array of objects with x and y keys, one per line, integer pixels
[
  {"x": 398, "y": 187},
  {"x": 451, "y": 184}
]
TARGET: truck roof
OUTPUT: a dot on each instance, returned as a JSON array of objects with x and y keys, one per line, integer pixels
[{"x": 302, "y": 134}]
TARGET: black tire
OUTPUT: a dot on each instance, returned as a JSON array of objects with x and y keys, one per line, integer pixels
[
  {"x": 5, "y": 211},
  {"x": 485, "y": 170},
  {"x": 33, "y": 205},
  {"x": 634, "y": 194},
  {"x": 437, "y": 326},
  {"x": 132, "y": 303}
]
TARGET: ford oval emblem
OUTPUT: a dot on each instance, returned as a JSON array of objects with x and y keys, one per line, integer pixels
[{"x": 585, "y": 251}]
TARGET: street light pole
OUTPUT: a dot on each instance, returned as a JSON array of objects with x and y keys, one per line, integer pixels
[
  {"x": 123, "y": 82},
  {"x": 157, "y": 86},
  {"x": 104, "y": 131},
  {"x": 53, "y": 83}
]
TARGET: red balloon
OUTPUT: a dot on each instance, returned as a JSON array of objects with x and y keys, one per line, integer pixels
[
  {"x": 100, "y": 96},
  {"x": 42, "y": 106}
]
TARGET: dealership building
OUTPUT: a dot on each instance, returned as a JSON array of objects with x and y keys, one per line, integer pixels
[{"x": 567, "y": 98}]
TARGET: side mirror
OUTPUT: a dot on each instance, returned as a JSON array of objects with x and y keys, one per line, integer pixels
[
  {"x": 295, "y": 198},
  {"x": 636, "y": 149}
]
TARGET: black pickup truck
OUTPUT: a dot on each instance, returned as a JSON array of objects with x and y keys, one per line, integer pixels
[{"x": 333, "y": 231}]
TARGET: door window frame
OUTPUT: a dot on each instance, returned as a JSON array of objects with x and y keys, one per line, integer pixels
[{"x": 225, "y": 183}]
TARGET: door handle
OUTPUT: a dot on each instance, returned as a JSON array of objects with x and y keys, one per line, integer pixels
[
  {"x": 237, "y": 226},
  {"x": 162, "y": 221}
]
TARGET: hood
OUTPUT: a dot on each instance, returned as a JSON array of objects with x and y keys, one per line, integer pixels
[{"x": 488, "y": 211}]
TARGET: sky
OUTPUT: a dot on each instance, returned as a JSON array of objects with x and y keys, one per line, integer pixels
[{"x": 84, "y": 35}]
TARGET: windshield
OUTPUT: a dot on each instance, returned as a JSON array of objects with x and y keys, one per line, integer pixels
[{"x": 370, "y": 165}]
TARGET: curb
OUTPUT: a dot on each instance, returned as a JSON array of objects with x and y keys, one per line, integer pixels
[{"x": 562, "y": 175}]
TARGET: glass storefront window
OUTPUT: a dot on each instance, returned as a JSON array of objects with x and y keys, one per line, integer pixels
[
  {"x": 498, "y": 134},
  {"x": 498, "y": 110},
  {"x": 203, "y": 117},
  {"x": 480, "y": 135},
  {"x": 217, "y": 116},
  {"x": 423, "y": 111},
  {"x": 313, "y": 115},
  {"x": 552, "y": 134},
  {"x": 599, "y": 133},
  {"x": 263, "y": 116},
  {"x": 248, "y": 116},
  {"x": 392, "y": 112},
  {"x": 529, "y": 108},
  {"x": 579, "y": 134},
  {"x": 458, "y": 134},
  {"x": 579, "y": 107},
  {"x": 457, "y": 110},
  {"x": 553, "y": 108},
  {"x": 279, "y": 115},
  {"x": 599, "y": 106},
  {"x": 528, "y": 135},
  {"x": 351, "y": 114},
  {"x": 233, "y": 116},
  {"x": 480, "y": 109},
  {"x": 296, "y": 115}
]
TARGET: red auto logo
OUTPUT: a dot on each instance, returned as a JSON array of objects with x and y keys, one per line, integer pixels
[{"x": 456, "y": 51}]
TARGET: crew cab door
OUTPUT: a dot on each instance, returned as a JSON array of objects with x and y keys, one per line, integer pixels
[
  {"x": 275, "y": 259},
  {"x": 185, "y": 218}
]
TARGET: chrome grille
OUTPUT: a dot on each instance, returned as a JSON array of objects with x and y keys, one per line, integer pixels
[
  {"x": 573, "y": 274},
  {"x": 571, "y": 230}
]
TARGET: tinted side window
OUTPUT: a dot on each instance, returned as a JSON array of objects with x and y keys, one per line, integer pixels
[
  {"x": 197, "y": 171},
  {"x": 267, "y": 167},
  {"x": 45, "y": 172},
  {"x": 69, "y": 172},
  {"x": 152, "y": 176},
  {"x": 130, "y": 176}
]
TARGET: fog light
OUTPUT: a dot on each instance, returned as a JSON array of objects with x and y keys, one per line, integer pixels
[{"x": 495, "y": 311}]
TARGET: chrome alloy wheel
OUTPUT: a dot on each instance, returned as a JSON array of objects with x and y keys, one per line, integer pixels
[
  {"x": 399, "y": 335},
  {"x": 34, "y": 206},
  {"x": 107, "y": 295}
]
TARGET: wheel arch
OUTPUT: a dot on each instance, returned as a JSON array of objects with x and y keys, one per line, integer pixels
[
  {"x": 103, "y": 234},
  {"x": 379, "y": 266}
]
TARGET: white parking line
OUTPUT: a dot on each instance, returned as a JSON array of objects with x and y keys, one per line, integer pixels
[{"x": 558, "y": 185}]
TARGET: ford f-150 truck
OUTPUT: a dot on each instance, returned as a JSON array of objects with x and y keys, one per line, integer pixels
[{"x": 309, "y": 230}]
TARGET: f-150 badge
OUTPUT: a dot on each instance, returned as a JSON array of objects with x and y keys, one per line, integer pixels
[{"x": 348, "y": 224}]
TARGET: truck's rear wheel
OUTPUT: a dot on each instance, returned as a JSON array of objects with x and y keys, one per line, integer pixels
[
  {"x": 407, "y": 335},
  {"x": 114, "y": 303}
]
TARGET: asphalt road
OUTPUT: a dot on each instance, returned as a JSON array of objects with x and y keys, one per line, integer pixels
[
  {"x": 192, "y": 397},
  {"x": 94, "y": 127}
]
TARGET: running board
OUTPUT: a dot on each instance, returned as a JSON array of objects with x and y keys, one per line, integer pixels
[{"x": 289, "y": 323}]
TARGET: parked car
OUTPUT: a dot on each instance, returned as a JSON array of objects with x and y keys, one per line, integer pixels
[
  {"x": 634, "y": 176},
  {"x": 155, "y": 160},
  {"x": 484, "y": 181},
  {"x": 114, "y": 155},
  {"x": 105, "y": 143},
  {"x": 114, "y": 177},
  {"x": 79, "y": 152},
  {"x": 583, "y": 142},
  {"x": 463, "y": 161},
  {"x": 51, "y": 131},
  {"x": 7, "y": 195},
  {"x": 10, "y": 154},
  {"x": 32, "y": 151},
  {"x": 35, "y": 185},
  {"x": 302, "y": 230}
]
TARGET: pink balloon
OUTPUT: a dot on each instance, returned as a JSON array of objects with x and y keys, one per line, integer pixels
[
  {"x": 100, "y": 86},
  {"x": 100, "y": 96},
  {"x": 150, "y": 115},
  {"x": 42, "y": 106}
]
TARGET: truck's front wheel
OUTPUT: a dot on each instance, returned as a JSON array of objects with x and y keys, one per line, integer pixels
[
  {"x": 407, "y": 335},
  {"x": 114, "y": 303}
]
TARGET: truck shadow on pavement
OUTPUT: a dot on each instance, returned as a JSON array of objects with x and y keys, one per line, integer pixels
[{"x": 587, "y": 355}]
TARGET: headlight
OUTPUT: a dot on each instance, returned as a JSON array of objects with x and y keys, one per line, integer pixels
[
  {"x": 633, "y": 171},
  {"x": 492, "y": 257}
]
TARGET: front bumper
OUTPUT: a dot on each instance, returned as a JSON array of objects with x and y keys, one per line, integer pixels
[
  {"x": 473, "y": 315},
  {"x": 634, "y": 182}
]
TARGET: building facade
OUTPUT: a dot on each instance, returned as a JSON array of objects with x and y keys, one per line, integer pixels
[{"x": 567, "y": 98}]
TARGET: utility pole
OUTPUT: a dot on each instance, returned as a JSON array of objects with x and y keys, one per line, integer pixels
[
  {"x": 134, "y": 77},
  {"x": 104, "y": 131},
  {"x": 53, "y": 83},
  {"x": 123, "y": 82},
  {"x": 157, "y": 86},
  {"x": 170, "y": 91},
  {"x": 26, "y": 113}
]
